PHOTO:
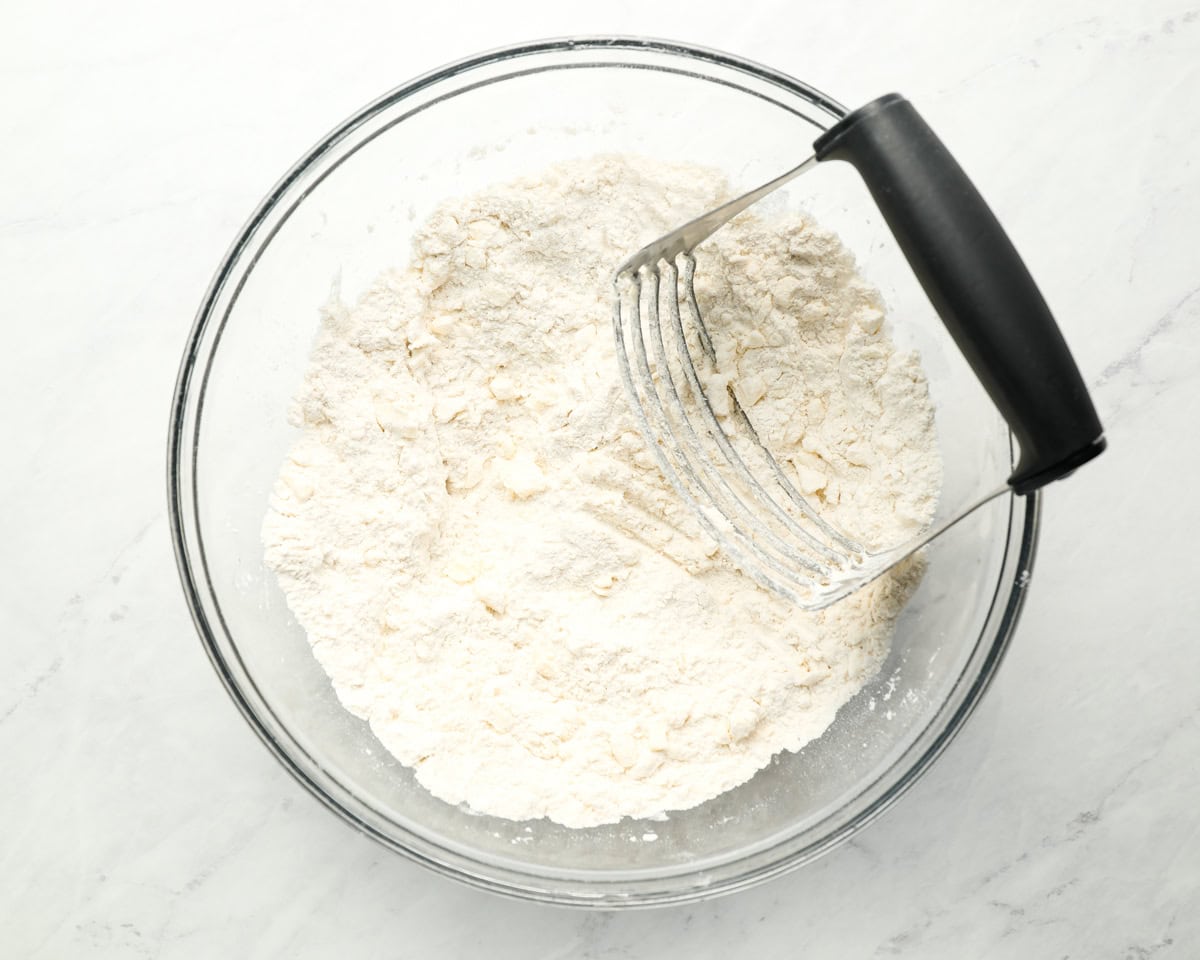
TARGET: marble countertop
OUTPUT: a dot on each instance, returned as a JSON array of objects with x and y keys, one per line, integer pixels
[{"x": 142, "y": 818}]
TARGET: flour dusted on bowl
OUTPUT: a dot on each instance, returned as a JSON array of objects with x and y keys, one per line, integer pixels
[{"x": 483, "y": 553}]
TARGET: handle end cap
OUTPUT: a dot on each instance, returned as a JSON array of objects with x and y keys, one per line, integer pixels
[{"x": 1032, "y": 477}]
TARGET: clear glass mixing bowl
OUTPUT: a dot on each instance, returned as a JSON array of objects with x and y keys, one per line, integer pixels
[{"x": 345, "y": 212}]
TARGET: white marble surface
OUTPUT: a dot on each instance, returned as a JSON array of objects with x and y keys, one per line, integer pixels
[{"x": 142, "y": 818}]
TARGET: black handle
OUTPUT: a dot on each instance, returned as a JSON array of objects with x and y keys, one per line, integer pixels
[{"x": 976, "y": 282}]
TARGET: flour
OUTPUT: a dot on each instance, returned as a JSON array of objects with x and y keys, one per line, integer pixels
[{"x": 484, "y": 555}]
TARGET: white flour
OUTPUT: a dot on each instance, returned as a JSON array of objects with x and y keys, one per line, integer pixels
[{"x": 486, "y": 560}]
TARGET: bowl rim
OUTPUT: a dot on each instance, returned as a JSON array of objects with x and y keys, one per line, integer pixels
[{"x": 601, "y": 889}]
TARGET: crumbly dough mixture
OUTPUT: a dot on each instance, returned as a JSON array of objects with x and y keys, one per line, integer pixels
[{"x": 484, "y": 555}]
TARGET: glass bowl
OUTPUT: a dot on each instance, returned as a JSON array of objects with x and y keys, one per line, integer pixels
[{"x": 344, "y": 213}]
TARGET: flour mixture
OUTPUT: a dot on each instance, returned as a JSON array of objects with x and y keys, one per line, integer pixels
[{"x": 486, "y": 559}]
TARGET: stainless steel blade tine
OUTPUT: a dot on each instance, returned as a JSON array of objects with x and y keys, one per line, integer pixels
[
  {"x": 629, "y": 338},
  {"x": 689, "y": 442},
  {"x": 714, "y": 430},
  {"x": 744, "y": 422}
]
